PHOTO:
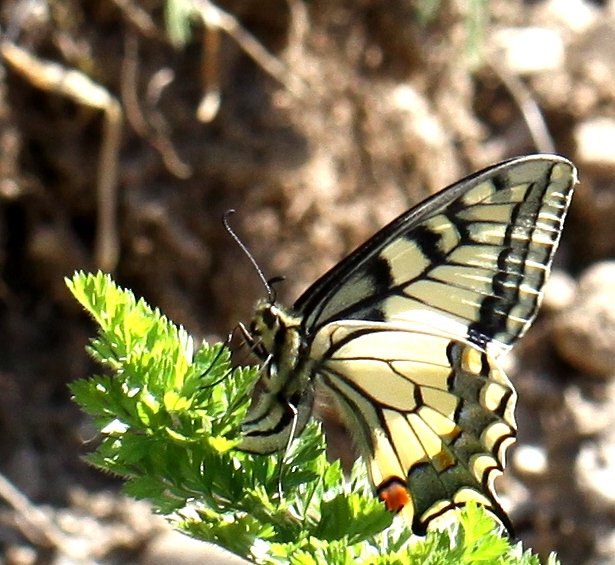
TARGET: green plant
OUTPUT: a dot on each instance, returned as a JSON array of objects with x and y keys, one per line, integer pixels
[{"x": 170, "y": 415}]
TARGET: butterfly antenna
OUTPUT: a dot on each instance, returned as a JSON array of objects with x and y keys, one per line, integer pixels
[{"x": 270, "y": 291}]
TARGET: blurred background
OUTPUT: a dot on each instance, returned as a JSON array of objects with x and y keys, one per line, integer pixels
[{"x": 128, "y": 127}]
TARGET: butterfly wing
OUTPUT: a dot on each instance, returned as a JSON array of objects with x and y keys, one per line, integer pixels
[
  {"x": 473, "y": 258},
  {"x": 432, "y": 416}
]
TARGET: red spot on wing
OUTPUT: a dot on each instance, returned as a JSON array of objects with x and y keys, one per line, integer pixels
[{"x": 394, "y": 493}]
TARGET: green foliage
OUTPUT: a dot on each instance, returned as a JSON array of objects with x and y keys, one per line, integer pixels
[
  {"x": 178, "y": 18},
  {"x": 169, "y": 418}
]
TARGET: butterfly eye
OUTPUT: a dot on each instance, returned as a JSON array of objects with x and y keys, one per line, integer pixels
[
  {"x": 269, "y": 318},
  {"x": 265, "y": 322}
]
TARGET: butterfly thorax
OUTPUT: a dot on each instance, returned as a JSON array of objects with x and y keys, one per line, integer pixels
[{"x": 286, "y": 396}]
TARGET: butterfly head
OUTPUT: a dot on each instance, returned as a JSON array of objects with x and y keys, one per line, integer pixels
[{"x": 265, "y": 325}]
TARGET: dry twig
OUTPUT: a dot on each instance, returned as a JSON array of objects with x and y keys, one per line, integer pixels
[
  {"x": 210, "y": 102},
  {"x": 530, "y": 110},
  {"x": 154, "y": 127},
  {"x": 41, "y": 529},
  {"x": 33, "y": 523},
  {"x": 216, "y": 18},
  {"x": 53, "y": 77},
  {"x": 138, "y": 17}
]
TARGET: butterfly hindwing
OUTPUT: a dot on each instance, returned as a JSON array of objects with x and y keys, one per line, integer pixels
[
  {"x": 404, "y": 336},
  {"x": 438, "y": 426}
]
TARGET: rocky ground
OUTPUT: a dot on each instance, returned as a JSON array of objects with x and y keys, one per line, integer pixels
[{"x": 318, "y": 122}]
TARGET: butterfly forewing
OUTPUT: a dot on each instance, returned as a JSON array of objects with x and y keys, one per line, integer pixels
[
  {"x": 403, "y": 335},
  {"x": 474, "y": 257}
]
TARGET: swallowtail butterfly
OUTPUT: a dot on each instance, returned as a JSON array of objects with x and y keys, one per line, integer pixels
[{"x": 405, "y": 334}]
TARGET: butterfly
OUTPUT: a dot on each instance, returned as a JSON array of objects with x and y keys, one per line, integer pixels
[{"x": 404, "y": 335}]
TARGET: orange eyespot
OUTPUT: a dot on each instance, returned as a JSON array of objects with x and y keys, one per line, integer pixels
[{"x": 394, "y": 493}]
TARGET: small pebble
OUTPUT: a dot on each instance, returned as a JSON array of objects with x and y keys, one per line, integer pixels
[
  {"x": 595, "y": 142},
  {"x": 530, "y": 50},
  {"x": 530, "y": 460},
  {"x": 175, "y": 548},
  {"x": 559, "y": 292},
  {"x": 595, "y": 469},
  {"x": 584, "y": 332}
]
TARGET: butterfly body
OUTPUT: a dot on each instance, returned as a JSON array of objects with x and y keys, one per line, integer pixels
[{"x": 404, "y": 336}]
